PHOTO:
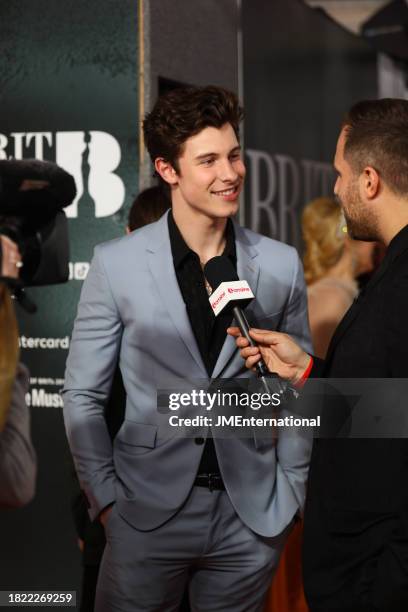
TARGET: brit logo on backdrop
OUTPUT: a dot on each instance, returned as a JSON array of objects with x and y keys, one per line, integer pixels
[
  {"x": 91, "y": 157},
  {"x": 278, "y": 187},
  {"x": 100, "y": 151}
]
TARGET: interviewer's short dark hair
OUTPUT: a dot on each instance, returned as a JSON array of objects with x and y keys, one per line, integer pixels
[
  {"x": 377, "y": 136},
  {"x": 184, "y": 112}
]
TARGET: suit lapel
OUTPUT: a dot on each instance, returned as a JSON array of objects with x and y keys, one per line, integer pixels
[
  {"x": 160, "y": 261},
  {"x": 248, "y": 269}
]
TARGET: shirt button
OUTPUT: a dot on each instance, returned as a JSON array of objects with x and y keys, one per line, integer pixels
[{"x": 199, "y": 440}]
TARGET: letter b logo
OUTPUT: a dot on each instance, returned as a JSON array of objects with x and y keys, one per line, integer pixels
[{"x": 106, "y": 188}]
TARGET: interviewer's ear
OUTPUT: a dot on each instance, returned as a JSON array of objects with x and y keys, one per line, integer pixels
[
  {"x": 370, "y": 182},
  {"x": 166, "y": 171}
]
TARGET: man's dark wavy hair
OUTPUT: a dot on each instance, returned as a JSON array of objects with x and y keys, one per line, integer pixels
[
  {"x": 377, "y": 136},
  {"x": 184, "y": 112}
]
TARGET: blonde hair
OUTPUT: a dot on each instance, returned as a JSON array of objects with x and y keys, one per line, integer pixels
[{"x": 322, "y": 228}]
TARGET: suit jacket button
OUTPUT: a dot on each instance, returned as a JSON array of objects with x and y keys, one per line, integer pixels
[{"x": 199, "y": 440}]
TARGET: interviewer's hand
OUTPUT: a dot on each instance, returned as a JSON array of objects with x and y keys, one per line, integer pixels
[
  {"x": 10, "y": 258},
  {"x": 279, "y": 351}
]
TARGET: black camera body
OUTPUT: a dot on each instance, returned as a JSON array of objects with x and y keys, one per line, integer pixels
[{"x": 33, "y": 194}]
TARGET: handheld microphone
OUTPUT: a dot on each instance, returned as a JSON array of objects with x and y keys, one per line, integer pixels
[{"x": 231, "y": 294}]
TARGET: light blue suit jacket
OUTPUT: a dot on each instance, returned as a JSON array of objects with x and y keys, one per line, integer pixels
[{"x": 131, "y": 308}]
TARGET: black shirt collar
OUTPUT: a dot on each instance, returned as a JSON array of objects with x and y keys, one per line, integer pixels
[{"x": 180, "y": 250}]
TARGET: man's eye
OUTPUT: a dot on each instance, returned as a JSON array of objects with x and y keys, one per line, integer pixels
[
  {"x": 207, "y": 162},
  {"x": 235, "y": 156}
]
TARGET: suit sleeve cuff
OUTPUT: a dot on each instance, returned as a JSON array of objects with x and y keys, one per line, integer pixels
[{"x": 99, "y": 501}]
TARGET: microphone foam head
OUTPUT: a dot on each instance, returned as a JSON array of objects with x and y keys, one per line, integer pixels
[{"x": 219, "y": 270}]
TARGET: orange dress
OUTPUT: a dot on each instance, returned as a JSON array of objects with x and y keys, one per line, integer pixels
[{"x": 286, "y": 592}]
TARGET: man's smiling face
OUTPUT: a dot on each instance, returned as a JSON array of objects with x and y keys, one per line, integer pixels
[{"x": 211, "y": 173}]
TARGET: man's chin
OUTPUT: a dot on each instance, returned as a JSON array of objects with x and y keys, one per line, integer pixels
[
  {"x": 360, "y": 234},
  {"x": 227, "y": 211}
]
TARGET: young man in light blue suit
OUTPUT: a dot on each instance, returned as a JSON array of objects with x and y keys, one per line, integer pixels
[{"x": 206, "y": 512}]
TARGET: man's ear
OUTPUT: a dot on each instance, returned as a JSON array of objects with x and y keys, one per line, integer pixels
[
  {"x": 166, "y": 171},
  {"x": 370, "y": 182}
]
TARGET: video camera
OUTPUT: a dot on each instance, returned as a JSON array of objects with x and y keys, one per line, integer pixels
[{"x": 33, "y": 194}]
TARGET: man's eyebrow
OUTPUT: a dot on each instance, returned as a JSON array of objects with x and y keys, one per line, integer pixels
[
  {"x": 203, "y": 155},
  {"x": 213, "y": 154}
]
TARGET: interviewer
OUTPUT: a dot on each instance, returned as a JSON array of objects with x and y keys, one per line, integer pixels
[{"x": 355, "y": 547}]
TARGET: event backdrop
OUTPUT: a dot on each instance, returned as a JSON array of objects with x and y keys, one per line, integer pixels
[
  {"x": 68, "y": 93},
  {"x": 301, "y": 73}
]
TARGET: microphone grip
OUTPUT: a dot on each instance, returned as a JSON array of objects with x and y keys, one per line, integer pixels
[{"x": 243, "y": 325}]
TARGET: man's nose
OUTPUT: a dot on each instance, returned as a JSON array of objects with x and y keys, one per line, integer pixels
[{"x": 227, "y": 172}]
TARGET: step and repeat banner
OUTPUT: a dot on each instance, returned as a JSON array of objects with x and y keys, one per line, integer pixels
[{"x": 69, "y": 94}]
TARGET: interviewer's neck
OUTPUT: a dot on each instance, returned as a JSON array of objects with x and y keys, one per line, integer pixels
[
  {"x": 393, "y": 227},
  {"x": 392, "y": 214}
]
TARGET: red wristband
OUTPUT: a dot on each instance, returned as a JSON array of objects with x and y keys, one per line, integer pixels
[{"x": 305, "y": 374}]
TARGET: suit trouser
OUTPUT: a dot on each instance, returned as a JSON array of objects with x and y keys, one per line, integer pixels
[{"x": 227, "y": 566}]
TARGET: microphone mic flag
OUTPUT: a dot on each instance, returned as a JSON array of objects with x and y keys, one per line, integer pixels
[
  {"x": 228, "y": 290},
  {"x": 232, "y": 294}
]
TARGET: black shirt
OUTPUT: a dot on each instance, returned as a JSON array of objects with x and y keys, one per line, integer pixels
[{"x": 209, "y": 331}]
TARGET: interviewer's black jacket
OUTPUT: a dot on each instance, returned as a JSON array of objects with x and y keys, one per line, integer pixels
[{"x": 356, "y": 516}]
